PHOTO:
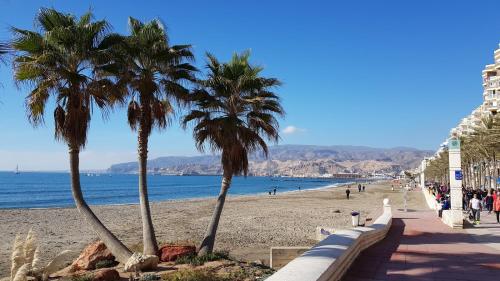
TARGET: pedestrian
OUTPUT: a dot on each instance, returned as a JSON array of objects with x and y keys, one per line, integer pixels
[
  {"x": 347, "y": 192},
  {"x": 275, "y": 191},
  {"x": 468, "y": 196},
  {"x": 299, "y": 188},
  {"x": 475, "y": 206},
  {"x": 359, "y": 187},
  {"x": 363, "y": 188},
  {"x": 489, "y": 202},
  {"x": 496, "y": 206},
  {"x": 269, "y": 192}
]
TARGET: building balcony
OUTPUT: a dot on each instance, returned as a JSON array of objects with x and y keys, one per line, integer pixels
[
  {"x": 491, "y": 81},
  {"x": 491, "y": 105}
]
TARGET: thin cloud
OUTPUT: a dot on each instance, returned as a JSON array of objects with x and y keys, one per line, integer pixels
[{"x": 289, "y": 130}]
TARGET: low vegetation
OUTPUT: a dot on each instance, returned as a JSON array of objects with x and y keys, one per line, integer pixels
[
  {"x": 105, "y": 264},
  {"x": 86, "y": 277},
  {"x": 150, "y": 277},
  {"x": 200, "y": 260},
  {"x": 193, "y": 275}
]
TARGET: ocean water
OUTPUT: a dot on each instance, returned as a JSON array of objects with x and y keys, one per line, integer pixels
[{"x": 46, "y": 190}]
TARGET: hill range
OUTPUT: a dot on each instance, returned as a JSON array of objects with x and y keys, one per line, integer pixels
[{"x": 293, "y": 160}]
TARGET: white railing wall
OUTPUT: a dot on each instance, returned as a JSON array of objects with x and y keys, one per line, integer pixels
[{"x": 332, "y": 257}]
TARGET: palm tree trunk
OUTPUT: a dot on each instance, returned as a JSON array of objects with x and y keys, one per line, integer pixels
[
  {"x": 495, "y": 170},
  {"x": 148, "y": 232},
  {"x": 121, "y": 253},
  {"x": 207, "y": 245}
]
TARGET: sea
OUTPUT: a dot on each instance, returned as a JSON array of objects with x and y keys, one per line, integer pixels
[{"x": 52, "y": 190}]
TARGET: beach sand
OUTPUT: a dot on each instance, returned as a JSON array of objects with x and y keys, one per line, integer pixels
[{"x": 249, "y": 226}]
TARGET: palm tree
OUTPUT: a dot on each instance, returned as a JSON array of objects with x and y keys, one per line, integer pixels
[
  {"x": 234, "y": 110},
  {"x": 155, "y": 73},
  {"x": 59, "y": 61}
]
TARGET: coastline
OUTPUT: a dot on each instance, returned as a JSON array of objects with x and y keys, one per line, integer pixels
[
  {"x": 336, "y": 185},
  {"x": 250, "y": 224}
]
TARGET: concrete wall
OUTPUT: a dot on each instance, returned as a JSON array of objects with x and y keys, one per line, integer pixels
[
  {"x": 281, "y": 256},
  {"x": 430, "y": 199},
  {"x": 331, "y": 258}
]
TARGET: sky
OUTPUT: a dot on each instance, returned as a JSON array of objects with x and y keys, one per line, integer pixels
[{"x": 373, "y": 73}]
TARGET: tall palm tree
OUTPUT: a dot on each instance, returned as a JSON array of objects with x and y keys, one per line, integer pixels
[
  {"x": 156, "y": 73},
  {"x": 234, "y": 111},
  {"x": 59, "y": 60}
]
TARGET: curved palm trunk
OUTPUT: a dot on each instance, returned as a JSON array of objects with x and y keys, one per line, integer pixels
[
  {"x": 207, "y": 245},
  {"x": 116, "y": 247},
  {"x": 148, "y": 232}
]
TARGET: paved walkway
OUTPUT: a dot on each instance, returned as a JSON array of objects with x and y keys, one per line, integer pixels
[
  {"x": 420, "y": 247},
  {"x": 487, "y": 232}
]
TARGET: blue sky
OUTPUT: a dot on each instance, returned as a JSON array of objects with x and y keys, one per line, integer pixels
[{"x": 375, "y": 73}]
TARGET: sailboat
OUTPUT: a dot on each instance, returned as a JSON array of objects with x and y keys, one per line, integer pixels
[{"x": 17, "y": 170}]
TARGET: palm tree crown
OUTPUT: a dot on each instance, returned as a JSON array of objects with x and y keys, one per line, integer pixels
[
  {"x": 155, "y": 72},
  {"x": 235, "y": 111},
  {"x": 59, "y": 60}
]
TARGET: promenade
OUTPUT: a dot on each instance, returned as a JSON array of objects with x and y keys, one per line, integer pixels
[{"x": 420, "y": 247}]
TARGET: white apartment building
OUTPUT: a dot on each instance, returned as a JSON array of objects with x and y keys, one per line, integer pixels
[{"x": 491, "y": 84}]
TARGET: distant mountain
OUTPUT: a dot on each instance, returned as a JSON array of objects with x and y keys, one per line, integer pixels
[{"x": 294, "y": 160}]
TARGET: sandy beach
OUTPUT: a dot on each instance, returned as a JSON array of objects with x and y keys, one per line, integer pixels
[{"x": 249, "y": 226}]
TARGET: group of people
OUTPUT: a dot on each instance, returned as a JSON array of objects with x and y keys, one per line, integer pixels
[
  {"x": 348, "y": 190},
  {"x": 474, "y": 200}
]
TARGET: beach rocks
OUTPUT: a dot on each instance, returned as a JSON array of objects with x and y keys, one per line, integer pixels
[
  {"x": 106, "y": 274},
  {"x": 139, "y": 261},
  {"x": 172, "y": 252},
  {"x": 92, "y": 254}
]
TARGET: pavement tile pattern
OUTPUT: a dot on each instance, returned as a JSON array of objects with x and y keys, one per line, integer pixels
[{"x": 420, "y": 247}]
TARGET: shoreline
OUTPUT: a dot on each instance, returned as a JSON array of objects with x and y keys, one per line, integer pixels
[
  {"x": 249, "y": 226},
  {"x": 338, "y": 185}
]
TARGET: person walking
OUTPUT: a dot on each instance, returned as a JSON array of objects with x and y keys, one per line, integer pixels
[
  {"x": 274, "y": 191},
  {"x": 489, "y": 202},
  {"x": 347, "y": 192},
  {"x": 496, "y": 206},
  {"x": 475, "y": 206},
  {"x": 359, "y": 187},
  {"x": 363, "y": 188}
]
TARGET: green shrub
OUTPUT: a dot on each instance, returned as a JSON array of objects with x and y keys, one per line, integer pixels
[
  {"x": 195, "y": 260},
  {"x": 150, "y": 277},
  {"x": 105, "y": 264},
  {"x": 86, "y": 277},
  {"x": 193, "y": 275}
]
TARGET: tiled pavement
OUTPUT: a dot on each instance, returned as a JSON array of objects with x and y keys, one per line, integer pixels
[
  {"x": 486, "y": 231},
  {"x": 420, "y": 247}
]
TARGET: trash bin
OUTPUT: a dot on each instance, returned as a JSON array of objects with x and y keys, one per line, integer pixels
[{"x": 355, "y": 218}]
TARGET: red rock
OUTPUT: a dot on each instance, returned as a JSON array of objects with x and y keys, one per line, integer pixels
[
  {"x": 106, "y": 274},
  {"x": 172, "y": 252},
  {"x": 93, "y": 253}
]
